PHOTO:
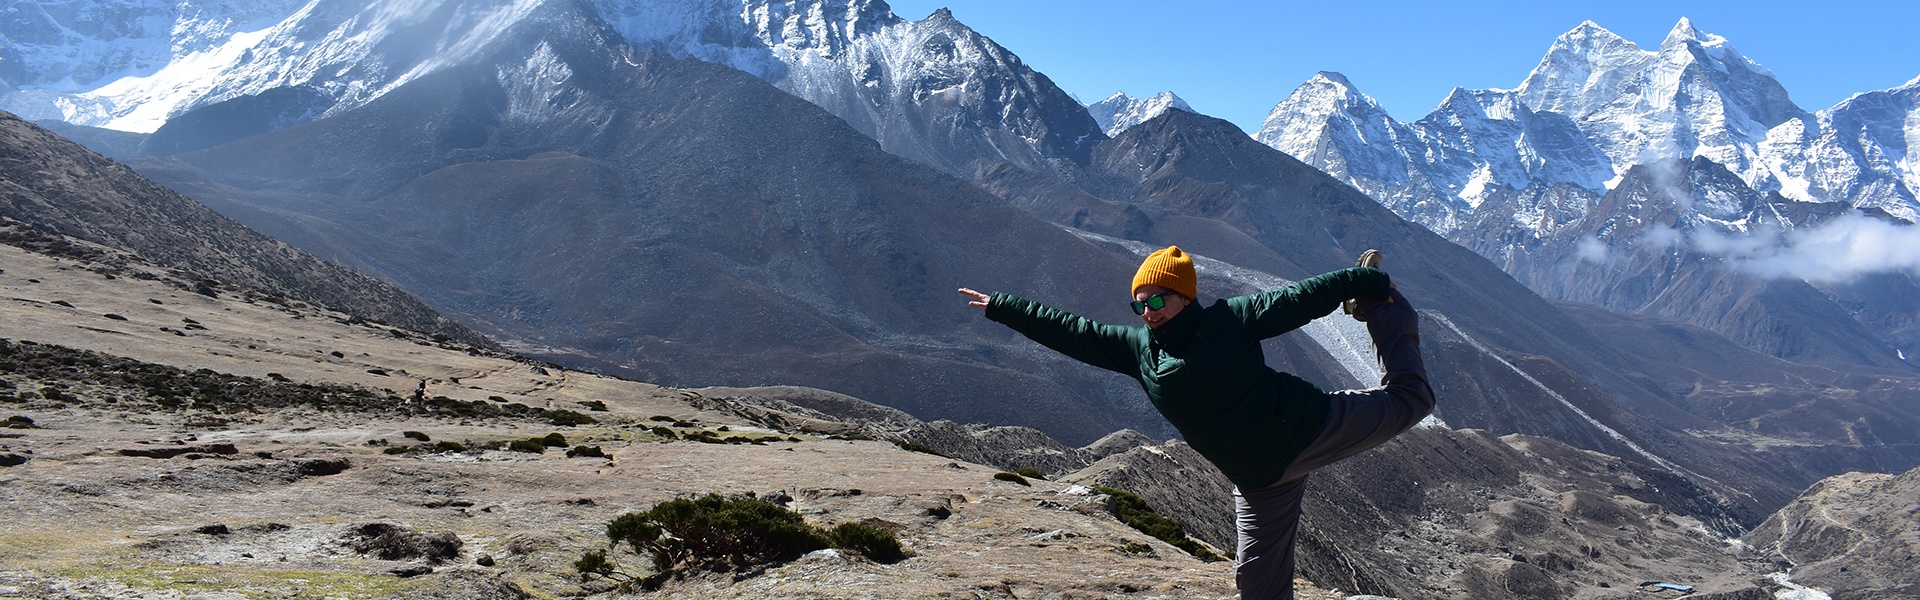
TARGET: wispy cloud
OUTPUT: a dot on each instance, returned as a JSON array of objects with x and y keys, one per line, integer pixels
[{"x": 1840, "y": 249}]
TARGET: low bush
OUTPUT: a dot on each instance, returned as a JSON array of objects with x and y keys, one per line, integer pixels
[
  {"x": 588, "y": 451},
  {"x": 873, "y": 542},
  {"x": 530, "y": 446},
  {"x": 567, "y": 418},
  {"x": 554, "y": 440},
  {"x": 1013, "y": 477},
  {"x": 717, "y": 533},
  {"x": 1030, "y": 473},
  {"x": 1136, "y": 513},
  {"x": 913, "y": 447}
]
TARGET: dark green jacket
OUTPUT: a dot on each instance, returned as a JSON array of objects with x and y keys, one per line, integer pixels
[{"x": 1204, "y": 368}]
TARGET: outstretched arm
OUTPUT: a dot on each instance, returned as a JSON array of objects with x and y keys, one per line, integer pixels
[
  {"x": 1279, "y": 311},
  {"x": 1106, "y": 346}
]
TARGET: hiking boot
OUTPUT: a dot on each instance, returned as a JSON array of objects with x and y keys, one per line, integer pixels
[{"x": 1370, "y": 258}]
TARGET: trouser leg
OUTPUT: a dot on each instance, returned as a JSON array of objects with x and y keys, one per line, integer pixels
[
  {"x": 1359, "y": 420},
  {"x": 1267, "y": 520}
]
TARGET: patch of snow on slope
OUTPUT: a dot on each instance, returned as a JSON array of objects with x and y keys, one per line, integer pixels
[{"x": 153, "y": 98}]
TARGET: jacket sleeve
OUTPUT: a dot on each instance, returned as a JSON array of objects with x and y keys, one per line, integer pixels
[
  {"x": 1274, "y": 312},
  {"x": 1109, "y": 347}
]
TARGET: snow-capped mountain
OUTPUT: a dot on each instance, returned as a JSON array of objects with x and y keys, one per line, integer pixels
[
  {"x": 1530, "y": 179},
  {"x": 933, "y": 90},
  {"x": 1859, "y": 151},
  {"x": 1594, "y": 107},
  {"x": 1329, "y": 124},
  {"x": 343, "y": 52},
  {"x": 1118, "y": 112},
  {"x": 1694, "y": 96}
]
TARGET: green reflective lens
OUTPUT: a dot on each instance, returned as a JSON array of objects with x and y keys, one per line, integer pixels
[{"x": 1154, "y": 302}]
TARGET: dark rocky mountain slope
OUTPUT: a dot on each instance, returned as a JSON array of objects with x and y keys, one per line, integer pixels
[
  {"x": 679, "y": 222},
  {"x": 1637, "y": 249},
  {"x": 1504, "y": 359},
  {"x": 56, "y": 185}
]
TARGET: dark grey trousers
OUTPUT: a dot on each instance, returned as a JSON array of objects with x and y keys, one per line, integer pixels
[{"x": 1268, "y": 518}]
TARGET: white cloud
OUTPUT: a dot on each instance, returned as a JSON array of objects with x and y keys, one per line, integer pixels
[
  {"x": 1592, "y": 250},
  {"x": 1840, "y": 249},
  {"x": 1660, "y": 237}
]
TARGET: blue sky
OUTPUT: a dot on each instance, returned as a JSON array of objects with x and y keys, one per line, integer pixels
[{"x": 1236, "y": 59}]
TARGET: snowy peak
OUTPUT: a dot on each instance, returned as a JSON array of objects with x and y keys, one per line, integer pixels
[
  {"x": 1684, "y": 32},
  {"x": 1118, "y": 112},
  {"x": 1584, "y": 63},
  {"x": 351, "y": 51},
  {"x": 144, "y": 62},
  {"x": 886, "y": 76},
  {"x": 1325, "y": 109}
]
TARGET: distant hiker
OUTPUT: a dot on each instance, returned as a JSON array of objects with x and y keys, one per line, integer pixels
[
  {"x": 1203, "y": 368},
  {"x": 420, "y": 393}
]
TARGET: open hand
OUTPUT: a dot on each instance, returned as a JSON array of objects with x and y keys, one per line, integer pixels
[{"x": 976, "y": 299}]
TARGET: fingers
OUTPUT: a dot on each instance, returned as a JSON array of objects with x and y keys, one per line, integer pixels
[{"x": 976, "y": 299}]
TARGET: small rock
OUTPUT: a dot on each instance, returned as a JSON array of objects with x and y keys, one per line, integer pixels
[
  {"x": 12, "y": 460},
  {"x": 485, "y": 560}
]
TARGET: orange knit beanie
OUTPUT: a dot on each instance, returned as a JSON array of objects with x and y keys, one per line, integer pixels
[{"x": 1168, "y": 268}]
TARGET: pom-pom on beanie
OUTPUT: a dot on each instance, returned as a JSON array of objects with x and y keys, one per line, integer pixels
[{"x": 1168, "y": 268}]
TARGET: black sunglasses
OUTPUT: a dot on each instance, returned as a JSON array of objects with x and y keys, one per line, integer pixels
[{"x": 1154, "y": 302}]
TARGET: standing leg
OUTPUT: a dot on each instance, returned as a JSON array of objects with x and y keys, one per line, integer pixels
[{"x": 1267, "y": 520}]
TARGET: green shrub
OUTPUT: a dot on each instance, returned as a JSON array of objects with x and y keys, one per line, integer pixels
[
  {"x": 873, "y": 542},
  {"x": 588, "y": 451},
  {"x": 662, "y": 418},
  {"x": 567, "y": 418},
  {"x": 594, "y": 562},
  {"x": 716, "y": 533},
  {"x": 595, "y": 405},
  {"x": 666, "y": 433},
  {"x": 529, "y": 446},
  {"x": 554, "y": 440},
  {"x": 416, "y": 435},
  {"x": 1136, "y": 513},
  {"x": 1013, "y": 477},
  {"x": 1030, "y": 473},
  {"x": 449, "y": 447}
]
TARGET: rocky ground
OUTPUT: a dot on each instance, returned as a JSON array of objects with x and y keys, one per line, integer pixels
[
  {"x": 1855, "y": 535},
  {"x": 261, "y": 449}
]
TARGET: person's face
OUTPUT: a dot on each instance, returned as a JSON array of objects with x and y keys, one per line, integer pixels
[{"x": 1149, "y": 295}]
